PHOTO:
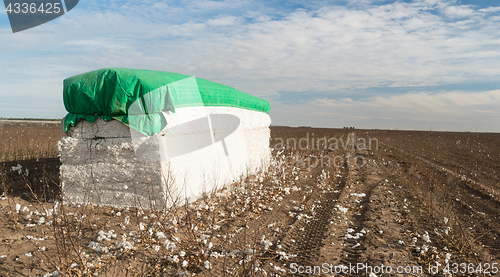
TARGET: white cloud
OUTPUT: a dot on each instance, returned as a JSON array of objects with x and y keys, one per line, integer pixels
[
  {"x": 419, "y": 100},
  {"x": 332, "y": 48},
  {"x": 490, "y": 10},
  {"x": 400, "y": 44},
  {"x": 458, "y": 11},
  {"x": 222, "y": 21},
  {"x": 456, "y": 110},
  {"x": 452, "y": 111}
]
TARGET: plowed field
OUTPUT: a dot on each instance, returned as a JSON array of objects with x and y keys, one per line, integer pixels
[{"x": 335, "y": 202}]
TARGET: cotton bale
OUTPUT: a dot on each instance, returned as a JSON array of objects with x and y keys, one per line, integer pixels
[{"x": 137, "y": 138}]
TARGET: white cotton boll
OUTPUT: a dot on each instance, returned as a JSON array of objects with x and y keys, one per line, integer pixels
[
  {"x": 97, "y": 247},
  {"x": 107, "y": 236},
  {"x": 18, "y": 207},
  {"x": 170, "y": 246},
  {"x": 448, "y": 257},
  {"x": 265, "y": 242},
  {"x": 49, "y": 212},
  {"x": 426, "y": 237},
  {"x": 342, "y": 209},
  {"x": 249, "y": 251},
  {"x": 124, "y": 245},
  {"x": 141, "y": 226},
  {"x": 175, "y": 259},
  {"x": 101, "y": 236},
  {"x": 17, "y": 168},
  {"x": 160, "y": 235},
  {"x": 52, "y": 274}
]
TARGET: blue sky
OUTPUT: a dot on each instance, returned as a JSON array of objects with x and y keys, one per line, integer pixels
[{"x": 370, "y": 64}]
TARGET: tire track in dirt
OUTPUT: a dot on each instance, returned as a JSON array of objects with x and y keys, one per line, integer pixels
[
  {"x": 357, "y": 245},
  {"x": 306, "y": 237},
  {"x": 368, "y": 231},
  {"x": 354, "y": 245}
]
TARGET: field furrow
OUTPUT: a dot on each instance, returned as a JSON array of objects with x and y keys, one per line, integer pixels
[{"x": 334, "y": 202}]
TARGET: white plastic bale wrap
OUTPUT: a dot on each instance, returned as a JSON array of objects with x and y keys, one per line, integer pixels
[{"x": 107, "y": 163}]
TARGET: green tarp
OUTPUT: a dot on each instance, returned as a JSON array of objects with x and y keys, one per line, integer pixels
[{"x": 110, "y": 93}]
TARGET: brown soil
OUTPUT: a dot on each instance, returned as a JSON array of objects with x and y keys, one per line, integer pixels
[{"x": 415, "y": 201}]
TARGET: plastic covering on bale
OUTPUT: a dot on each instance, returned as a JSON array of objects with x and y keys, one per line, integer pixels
[{"x": 137, "y": 138}]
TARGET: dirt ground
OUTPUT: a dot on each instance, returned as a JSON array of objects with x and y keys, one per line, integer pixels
[{"x": 408, "y": 204}]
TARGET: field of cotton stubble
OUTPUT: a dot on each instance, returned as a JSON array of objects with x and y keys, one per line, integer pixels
[{"x": 333, "y": 202}]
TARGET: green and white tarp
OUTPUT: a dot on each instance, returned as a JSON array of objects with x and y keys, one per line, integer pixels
[
  {"x": 109, "y": 93},
  {"x": 137, "y": 138}
]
